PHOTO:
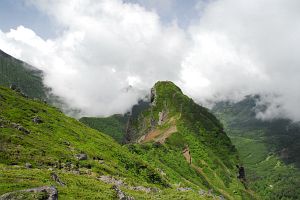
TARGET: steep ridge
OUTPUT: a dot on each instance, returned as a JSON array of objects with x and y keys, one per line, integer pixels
[
  {"x": 23, "y": 76},
  {"x": 268, "y": 149},
  {"x": 162, "y": 132},
  {"x": 27, "y": 79}
]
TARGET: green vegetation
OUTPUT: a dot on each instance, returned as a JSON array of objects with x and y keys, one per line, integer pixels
[
  {"x": 268, "y": 149},
  {"x": 213, "y": 157},
  {"x": 114, "y": 125},
  {"x": 184, "y": 124},
  {"x": 53, "y": 142},
  {"x": 24, "y": 76}
]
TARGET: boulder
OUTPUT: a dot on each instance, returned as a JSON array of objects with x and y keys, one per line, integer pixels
[
  {"x": 37, "y": 120},
  {"x": 81, "y": 156},
  {"x": 141, "y": 188},
  {"x": 120, "y": 194},
  {"x": 20, "y": 128},
  {"x": 45, "y": 193},
  {"x": 111, "y": 180},
  {"x": 182, "y": 189},
  {"x": 28, "y": 165},
  {"x": 13, "y": 86},
  {"x": 57, "y": 179}
]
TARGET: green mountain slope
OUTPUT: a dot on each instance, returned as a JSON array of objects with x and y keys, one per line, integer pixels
[
  {"x": 114, "y": 125},
  {"x": 268, "y": 149},
  {"x": 184, "y": 139},
  {"x": 53, "y": 144},
  {"x": 22, "y": 75},
  {"x": 40, "y": 146}
]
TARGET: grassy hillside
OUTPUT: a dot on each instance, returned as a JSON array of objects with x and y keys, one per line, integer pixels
[
  {"x": 172, "y": 124},
  {"x": 37, "y": 140},
  {"x": 114, "y": 125},
  {"x": 268, "y": 149},
  {"x": 53, "y": 145},
  {"x": 24, "y": 76}
]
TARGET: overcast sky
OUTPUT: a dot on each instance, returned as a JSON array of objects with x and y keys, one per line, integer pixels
[{"x": 92, "y": 51}]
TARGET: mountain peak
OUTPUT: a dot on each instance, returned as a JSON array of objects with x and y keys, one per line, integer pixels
[{"x": 166, "y": 85}]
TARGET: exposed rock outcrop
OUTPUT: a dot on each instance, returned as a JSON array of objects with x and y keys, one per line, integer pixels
[
  {"x": 44, "y": 193},
  {"x": 55, "y": 177},
  {"x": 119, "y": 183},
  {"x": 242, "y": 175},
  {"x": 162, "y": 116},
  {"x": 187, "y": 155},
  {"x": 181, "y": 189},
  {"x": 81, "y": 156},
  {"x": 28, "y": 165},
  {"x": 111, "y": 180},
  {"x": 20, "y": 128},
  {"x": 120, "y": 194},
  {"x": 37, "y": 120},
  {"x": 153, "y": 96}
]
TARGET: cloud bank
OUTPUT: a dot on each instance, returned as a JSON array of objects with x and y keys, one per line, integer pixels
[{"x": 236, "y": 48}]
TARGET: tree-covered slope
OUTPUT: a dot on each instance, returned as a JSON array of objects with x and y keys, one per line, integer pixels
[
  {"x": 185, "y": 141},
  {"x": 268, "y": 149},
  {"x": 22, "y": 75}
]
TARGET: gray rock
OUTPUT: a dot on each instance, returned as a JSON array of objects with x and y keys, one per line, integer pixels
[
  {"x": 111, "y": 180},
  {"x": 161, "y": 172},
  {"x": 221, "y": 197},
  {"x": 48, "y": 192},
  {"x": 153, "y": 96},
  {"x": 162, "y": 117},
  {"x": 67, "y": 143},
  {"x": 28, "y": 165},
  {"x": 202, "y": 192},
  {"x": 57, "y": 179},
  {"x": 120, "y": 194},
  {"x": 81, "y": 156},
  {"x": 181, "y": 189},
  {"x": 37, "y": 120},
  {"x": 101, "y": 162},
  {"x": 155, "y": 190},
  {"x": 13, "y": 86},
  {"x": 141, "y": 188},
  {"x": 20, "y": 128}
]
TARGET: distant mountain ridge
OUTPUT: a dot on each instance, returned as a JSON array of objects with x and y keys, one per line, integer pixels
[{"x": 268, "y": 149}]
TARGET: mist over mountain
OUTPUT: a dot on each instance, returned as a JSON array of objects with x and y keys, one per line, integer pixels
[
  {"x": 231, "y": 49},
  {"x": 149, "y": 99}
]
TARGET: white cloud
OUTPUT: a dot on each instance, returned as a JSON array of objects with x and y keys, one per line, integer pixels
[
  {"x": 248, "y": 47},
  {"x": 106, "y": 46},
  {"x": 236, "y": 48}
]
